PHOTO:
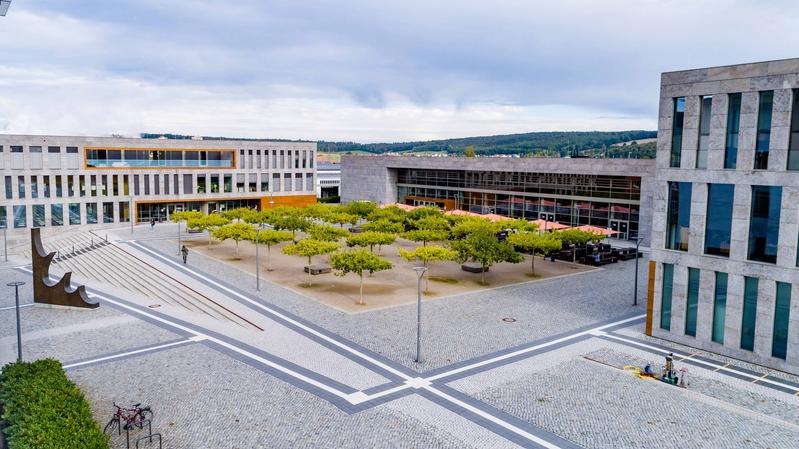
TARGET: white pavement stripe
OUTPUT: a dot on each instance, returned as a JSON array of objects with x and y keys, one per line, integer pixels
[
  {"x": 714, "y": 366},
  {"x": 532, "y": 348},
  {"x": 285, "y": 318},
  {"x": 493, "y": 419},
  {"x": 125, "y": 354},
  {"x": 21, "y": 306}
]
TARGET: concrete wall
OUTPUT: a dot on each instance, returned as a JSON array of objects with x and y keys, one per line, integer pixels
[{"x": 749, "y": 79}]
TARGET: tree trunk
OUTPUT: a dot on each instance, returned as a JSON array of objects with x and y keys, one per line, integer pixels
[
  {"x": 483, "y": 275},
  {"x": 532, "y": 263},
  {"x": 237, "y": 249},
  {"x": 309, "y": 271},
  {"x": 426, "y": 278},
  {"x": 268, "y": 253},
  {"x": 360, "y": 298}
]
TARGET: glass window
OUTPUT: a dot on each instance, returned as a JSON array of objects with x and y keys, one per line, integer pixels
[
  {"x": 136, "y": 184},
  {"x": 718, "y": 226},
  {"x": 93, "y": 186},
  {"x": 782, "y": 310},
  {"x": 214, "y": 183},
  {"x": 38, "y": 215},
  {"x": 309, "y": 182},
  {"x": 71, "y": 185},
  {"x": 228, "y": 183},
  {"x": 264, "y": 182},
  {"x": 749, "y": 314},
  {"x": 287, "y": 182},
  {"x": 126, "y": 184},
  {"x": 692, "y": 303},
  {"x": 91, "y": 213},
  {"x": 56, "y": 214},
  {"x": 276, "y": 185},
  {"x": 764, "y": 223},
  {"x": 733, "y": 125},
  {"x": 240, "y": 183},
  {"x": 188, "y": 187},
  {"x": 72, "y": 150},
  {"x": 763, "y": 129},
  {"x": 108, "y": 212},
  {"x": 53, "y": 149},
  {"x": 115, "y": 185},
  {"x": 298, "y": 182},
  {"x": 58, "y": 186},
  {"x": 665, "y": 303},
  {"x": 201, "y": 183},
  {"x": 9, "y": 187},
  {"x": 35, "y": 149},
  {"x": 16, "y": 149},
  {"x": 46, "y": 184},
  {"x": 678, "y": 216},
  {"x": 146, "y": 184},
  {"x": 156, "y": 184},
  {"x": 74, "y": 213},
  {"x": 793, "y": 146},
  {"x": 704, "y": 132},
  {"x": 3, "y": 218},
  {"x": 20, "y": 216},
  {"x": 719, "y": 307},
  {"x": 676, "y": 131},
  {"x": 124, "y": 211},
  {"x": 21, "y": 186},
  {"x": 34, "y": 187},
  {"x": 104, "y": 185}
]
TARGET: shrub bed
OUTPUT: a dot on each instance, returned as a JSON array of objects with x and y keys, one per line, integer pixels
[{"x": 43, "y": 409}]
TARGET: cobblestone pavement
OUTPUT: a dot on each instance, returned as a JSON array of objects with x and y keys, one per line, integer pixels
[{"x": 525, "y": 386}]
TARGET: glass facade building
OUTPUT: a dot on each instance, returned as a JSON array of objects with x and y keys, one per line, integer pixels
[
  {"x": 719, "y": 307},
  {"x": 718, "y": 220},
  {"x": 764, "y": 223},
  {"x": 678, "y": 216}
]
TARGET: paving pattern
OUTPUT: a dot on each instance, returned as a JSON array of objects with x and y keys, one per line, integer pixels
[{"x": 551, "y": 381}]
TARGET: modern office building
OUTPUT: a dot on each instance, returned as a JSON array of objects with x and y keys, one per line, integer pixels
[
  {"x": 726, "y": 212},
  {"x": 328, "y": 179},
  {"x": 612, "y": 193},
  {"x": 60, "y": 182}
]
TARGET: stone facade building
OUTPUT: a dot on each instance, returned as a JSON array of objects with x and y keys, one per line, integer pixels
[
  {"x": 612, "y": 193},
  {"x": 726, "y": 212}
]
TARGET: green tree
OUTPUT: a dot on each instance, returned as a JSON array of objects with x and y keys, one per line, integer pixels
[
  {"x": 319, "y": 211},
  {"x": 357, "y": 261},
  {"x": 425, "y": 235},
  {"x": 327, "y": 233},
  {"x": 484, "y": 247},
  {"x": 537, "y": 244},
  {"x": 470, "y": 225},
  {"x": 186, "y": 215},
  {"x": 371, "y": 239},
  {"x": 427, "y": 254},
  {"x": 237, "y": 214},
  {"x": 422, "y": 212},
  {"x": 289, "y": 219},
  {"x": 270, "y": 238},
  {"x": 207, "y": 223},
  {"x": 383, "y": 225},
  {"x": 235, "y": 231},
  {"x": 577, "y": 237},
  {"x": 469, "y": 151},
  {"x": 431, "y": 223},
  {"x": 360, "y": 208},
  {"x": 391, "y": 213},
  {"x": 342, "y": 218},
  {"x": 310, "y": 248}
]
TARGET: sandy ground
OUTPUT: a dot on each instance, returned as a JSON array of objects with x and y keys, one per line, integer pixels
[{"x": 384, "y": 289}]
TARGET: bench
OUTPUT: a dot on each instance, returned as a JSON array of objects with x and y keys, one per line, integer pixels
[
  {"x": 318, "y": 268},
  {"x": 627, "y": 253},
  {"x": 193, "y": 231},
  {"x": 473, "y": 267},
  {"x": 604, "y": 259}
]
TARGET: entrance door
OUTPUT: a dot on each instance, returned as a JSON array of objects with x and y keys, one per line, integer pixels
[
  {"x": 621, "y": 227},
  {"x": 546, "y": 216}
]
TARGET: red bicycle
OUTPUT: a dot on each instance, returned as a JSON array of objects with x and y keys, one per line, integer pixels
[{"x": 128, "y": 418}]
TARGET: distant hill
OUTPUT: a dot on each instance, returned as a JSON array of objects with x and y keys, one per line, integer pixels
[{"x": 624, "y": 144}]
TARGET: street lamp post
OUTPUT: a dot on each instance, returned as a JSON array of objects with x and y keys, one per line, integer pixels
[
  {"x": 16, "y": 285},
  {"x": 419, "y": 275},
  {"x": 5, "y": 243},
  {"x": 635, "y": 293}
]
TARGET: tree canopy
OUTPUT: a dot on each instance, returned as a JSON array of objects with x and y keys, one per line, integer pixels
[
  {"x": 357, "y": 261},
  {"x": 371, "y": 239},
  {"x": 310, "y": 248},
  {"x": 236, "y": 232},
  {"x": 483, "y": 247},
  {"x": 383, "y": 225},
  {"x": 360, "y": 208},
  {"x": 207, "y": 223},
  {"x": 270, "y": 238},
  {"x": 327, "y": 233},
  {"x": 537, "y": 244},
  {"x": 426, "y": 254}
]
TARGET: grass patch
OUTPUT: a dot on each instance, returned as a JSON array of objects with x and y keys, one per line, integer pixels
[
  {"x": 444, "y": 279},
  {"x": 45, "y": 410}
]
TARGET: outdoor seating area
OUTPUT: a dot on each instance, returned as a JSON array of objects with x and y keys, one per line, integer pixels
[{"x": 594, "y": 254}]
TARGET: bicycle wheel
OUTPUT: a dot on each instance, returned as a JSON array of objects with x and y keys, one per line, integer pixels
[
  {"x": 110, "y": 425},
  {"x": 142, "y": 416}
]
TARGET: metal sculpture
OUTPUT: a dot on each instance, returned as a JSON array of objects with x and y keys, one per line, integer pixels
[{"x": 58, "y": 293}]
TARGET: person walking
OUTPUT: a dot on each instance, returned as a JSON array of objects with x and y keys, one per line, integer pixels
[
  {"x": 185, "y": 252},
  {"x": 152, "y": 224}
]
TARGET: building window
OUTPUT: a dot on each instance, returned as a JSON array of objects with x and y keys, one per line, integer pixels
[
  {"x": 276, "y": 185},
  {"x": 93, "y": 185},
  {"x": 20, "y": 216},
  {"x": 74, "y": 213},
  {"x": 214, "y": 183},
  {"x": 126, "y": 185},
  {"x": 115, "y": 185},
  {"x": 16, "y": 149},
  {"x": 298, "y": 182},
  {"x": 718, "y": 226},
  {"x": 296, "y": 159},
  {"x": 764, "y": 223},
  {"x": 692, "y": 302},
  {"x": 34, "y": 187},
  {"x": 200, "y": 183},
  {"x": 719, "y": 308},
  {"x": 793, "y": 146},
  {"x": 9, "y": 187},
  {"x": 91, "y": 213},
  {"x": 676, "y": 132},
  {"x": 250, "y": 159},
  {"x": 146, "y": 184},
  {"x": 240, "y": 183},
  {"x": 678, "y": 216},
  {"x": 749, "y": 314},
  {"x": 228, "y": 183},
  {"x": 782, "y": 310},
  {"x": 21, "y": 186},
  {"x": 188, "y": 187},
  {"x": 704, "y": 131},
  {"x": 71, "y": 185},
  {"x": 38, "y": 215},
  {"x": 763, "y": 129},
  {"x": 665, "y": 302},
  {"x": 124, "y": 212},
  {"x": 3, "y": 218},
  {"x": 46, "y": 184},
  {"x": 53, "y": 149},
  {"x": 282, "y": 160},
  {"x": 264, "y": 182},
  {"x": 309, "y": 182},
  {"x": 59, "y": 191},
  {"x": 287, "y": 182},
  {"x": 252, "y": 182},
  {"x": 56, "y": 214},
  {"x": 72, "y": 150},
  {"x": 108, "y": 212},
  {"x": 104, "y": 185},
  {"x": 733, "y": 125}
]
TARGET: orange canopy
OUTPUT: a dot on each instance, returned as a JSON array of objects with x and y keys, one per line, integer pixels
[
  {"x": 405, "y": 207},
  {"x": 548, "y": 225},
  {"x": 495, "y": 217},
  {"x": 596, "y": 230},
  {"x": 464, "y": 213}
]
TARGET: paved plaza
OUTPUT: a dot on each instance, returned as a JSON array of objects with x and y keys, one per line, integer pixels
[{"x": 298, "y": 373}]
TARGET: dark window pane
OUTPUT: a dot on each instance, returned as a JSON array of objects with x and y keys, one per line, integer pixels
[
  {"x": 665, "y": 303},
  {"x": 676, "y": 131},
  {"x": 749, "y": 314},
  {"x": 764, "y": 223},
  {"x": 692, "y": 303},
  {"x": 782, "y": 310},
  {"x": 719, "y": 219},
  {"x": 678, "y": 215},
  {"x": 719, "y": 308},
  {"x": 733, "y": 124},
  {"x": 763, "y": 129}
]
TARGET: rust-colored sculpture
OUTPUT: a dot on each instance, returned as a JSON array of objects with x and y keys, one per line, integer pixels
[{"x": 59, "y": 293}]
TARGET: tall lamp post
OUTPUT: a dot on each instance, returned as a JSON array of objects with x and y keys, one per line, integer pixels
[
  {"x": 5, "y": 242},
  {"x": 19, "y": 331},
  {"x": 419, "y": 275},
  {"x": 635, "y": 293}
]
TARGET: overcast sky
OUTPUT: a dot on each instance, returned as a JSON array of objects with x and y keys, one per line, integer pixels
[{"x": 377, "y": 70}]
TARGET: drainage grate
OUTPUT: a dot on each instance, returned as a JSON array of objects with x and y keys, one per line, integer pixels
[
  {"x": 154, "y": 306},
  {"x": 509, "y": 320}
]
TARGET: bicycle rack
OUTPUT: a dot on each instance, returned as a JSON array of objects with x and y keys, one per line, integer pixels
[{"x": 150, "y": 437}]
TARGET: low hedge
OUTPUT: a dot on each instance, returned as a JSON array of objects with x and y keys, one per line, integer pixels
[{"x": 45, "y": 410}]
